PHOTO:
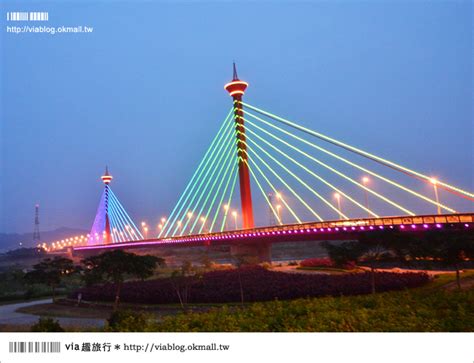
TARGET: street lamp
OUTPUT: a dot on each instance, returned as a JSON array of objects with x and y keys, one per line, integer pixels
[
  {"x": 278, "y": 207},
  {"x": 234, "y": 213},
  {"x": 435, "y": 187},
  {"x": 226, "y": 211},
  {"x": 203, "y": 221},
  {"x": 145, "y": 229},
  {"x": 365, "y": 181},
  {"x": 338, "y": 198},
  {"x": 180, "y": 228}
]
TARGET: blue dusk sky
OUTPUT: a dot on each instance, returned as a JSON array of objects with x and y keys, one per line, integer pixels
[{"x": 143, "y": 93}]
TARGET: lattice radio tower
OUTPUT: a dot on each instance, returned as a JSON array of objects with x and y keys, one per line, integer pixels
[{"x": 36, "y": 232}]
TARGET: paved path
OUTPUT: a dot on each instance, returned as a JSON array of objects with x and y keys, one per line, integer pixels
[{"x": 8, "y": 315}]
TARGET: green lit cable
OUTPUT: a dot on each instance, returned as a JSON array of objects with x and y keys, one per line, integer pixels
[
  {"x": 359, "y": 151},
  {"x": 197, "y": 184},
  {"x": 355, "y": 165},
  {"x": 298, "y": 220},
  {"x": 329, "y": 204},
  {"x": 285, "y": 183},
  {"x": 224, "y": 124},
  {"x": 229, "y": 200},
  {"x": 228, "y": 171},
  {"x": 216, "y": 159},
  {"x": 263, "y": 192},
  {"x": 330, "y": 168},
  {"x": 217, "y": 177}
]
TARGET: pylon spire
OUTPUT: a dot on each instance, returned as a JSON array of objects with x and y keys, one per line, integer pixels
[
  {"x": 235, "y": 77},
  {"x": 106, "y": 178}
]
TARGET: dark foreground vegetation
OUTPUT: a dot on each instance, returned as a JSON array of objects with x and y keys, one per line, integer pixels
[
  {"x": 401, "y": 311},
  {"x": 349, "y": 293},
  {"x": 254, "y": 283}
]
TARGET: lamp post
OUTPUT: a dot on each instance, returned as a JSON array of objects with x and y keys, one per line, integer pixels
[
  {"x": 278, "y": 207},
  {"x": 434, "y": 181},
  {"x": 203, "y": 221},
  {"x": 365, "y": 181},
  {"x": 145, "y": 229},
  {"x": 226, "y": 211},
  {"x": 234, "y": 213},
  {"x": 338, "y": 199}
]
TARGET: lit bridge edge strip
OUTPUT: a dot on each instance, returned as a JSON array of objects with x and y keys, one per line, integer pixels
[{"x": 353, "y": 225}]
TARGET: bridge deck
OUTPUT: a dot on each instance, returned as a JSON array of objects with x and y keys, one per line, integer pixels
[{"x": 330, "y": 230}]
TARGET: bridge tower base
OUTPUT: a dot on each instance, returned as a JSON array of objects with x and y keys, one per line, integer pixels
[{"x": 251, "y": 253}]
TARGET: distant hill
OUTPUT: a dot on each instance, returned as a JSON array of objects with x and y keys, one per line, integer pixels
[{"x": 9, "y": 241}]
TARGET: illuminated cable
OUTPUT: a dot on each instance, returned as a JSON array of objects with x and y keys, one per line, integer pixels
[
  {"x": 224, "y": 124},
  {"x": 359, "y": 151},
  {"x": 219, "y": 205},
  {"x": 113, "y": 227},
  {"x": 130, "y": 220},
  {"x": 284, "y": 183},
  {"x": 224, "y": 177},
  {"x": 309, "y": 171},
  {"x": 298, "y": 220},
  {"x": 324, "y": 200},
  {"x": 391, "y": 182},
  {"x": 229, "y": 200},
  {"x": 120, "y": 219},
  {"x": 191, "y": 205},
  {"x": 228, "y": 158},
  {"x": 330, "y": 168},
  {"x": 116, "y": 224},
  {"x": 191, "y": 194},
  {"x": 263, "y": 193}
]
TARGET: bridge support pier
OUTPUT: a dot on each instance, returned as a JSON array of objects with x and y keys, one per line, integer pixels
[{"x": 252, "y": 253}]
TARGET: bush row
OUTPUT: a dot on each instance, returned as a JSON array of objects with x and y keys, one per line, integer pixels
[{"x": 257, "y": 284}]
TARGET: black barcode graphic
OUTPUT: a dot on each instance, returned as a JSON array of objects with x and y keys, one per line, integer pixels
[
  {"x": 27, "y": 16},
  {"x": 35, "y": 347}
]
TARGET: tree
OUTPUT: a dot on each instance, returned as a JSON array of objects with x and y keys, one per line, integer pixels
[
  {"x": 341, "y": 254},
  {"x": 451, "y": 248},
  {"x": 50, "y": 271},
  {"x": 371, "y": 248},
  {"x": 116, "y": 266},
  {"x": 181, "y": 280},
  {"x": 241, "y": 260}
]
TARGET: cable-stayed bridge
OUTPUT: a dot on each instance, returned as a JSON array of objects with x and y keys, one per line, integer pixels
[{"x": 306, "y": 184}]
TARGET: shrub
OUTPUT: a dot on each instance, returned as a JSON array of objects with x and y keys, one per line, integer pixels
[
  {"x": 326, "y": 262},
  {"x": 317, "y": 262},
  {"x": 129, "y": 321},
  {"x": 258, "y": 284},
  {"x": 46, "y": 325}
]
